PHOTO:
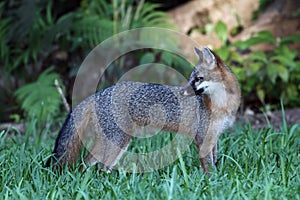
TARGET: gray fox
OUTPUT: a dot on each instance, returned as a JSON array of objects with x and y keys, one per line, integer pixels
[{"x": 202, "y": 109}]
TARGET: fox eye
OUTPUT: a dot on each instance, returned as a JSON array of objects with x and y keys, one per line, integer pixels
[{"x": 199, "y": 79}]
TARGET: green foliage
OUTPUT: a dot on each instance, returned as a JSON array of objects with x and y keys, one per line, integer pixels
[
  {"x": 29, "y": 35},
  {"x": 169, "y": 60},
  {"x": 147, "y": 58},
  {"x": 32, "y": 32},
  {"x": 97, "y": 20},
  {"x": 40, "y": 99},
  {"x": 261, "y": 37},
  {"x": 4, "y": 29},
  {"x": 221, "y": 31},
  {"x": 296, "y": 13},
  {"x": 272, "y": 75}
]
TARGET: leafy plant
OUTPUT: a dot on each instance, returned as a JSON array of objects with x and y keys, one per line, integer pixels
[
  {"x": 32, "y": 32},
  {"x": 261, "y": 37},
  {"x": 4, "y": 29},
  {"x": 97, "y": 20},
  {"x": 221, "y": 31},
  {"x": 105, "y": 19},
  {"x": 28, "y": 33},
  {"x": 272, "y": 75},
  {"x": 40, "y": 99}
]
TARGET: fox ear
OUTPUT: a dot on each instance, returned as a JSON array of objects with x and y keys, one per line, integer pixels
[
  {"x": 208, "y": 58},
  {"x": 199, "y": 54}
]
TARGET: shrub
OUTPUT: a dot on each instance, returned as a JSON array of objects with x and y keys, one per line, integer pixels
[
  {"x": 40, "y": 99},
  {"x": 32, "y": 33},
  {"x": 264, "y": 76}
]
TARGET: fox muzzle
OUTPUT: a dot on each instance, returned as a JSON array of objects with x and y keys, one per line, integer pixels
[{"x": 190, "y": 89}]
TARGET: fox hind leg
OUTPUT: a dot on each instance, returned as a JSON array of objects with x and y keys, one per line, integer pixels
[{"x": 106, "y": 151}]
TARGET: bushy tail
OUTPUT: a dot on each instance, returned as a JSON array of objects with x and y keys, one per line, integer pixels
[{"x": 69, "y": 141}]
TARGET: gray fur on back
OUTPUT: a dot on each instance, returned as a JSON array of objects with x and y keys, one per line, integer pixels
[{"x": 125, "y": 106}]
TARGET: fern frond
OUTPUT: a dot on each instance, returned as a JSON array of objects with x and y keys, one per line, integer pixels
[
  {"x": 93, "y": 30},
  {"x": 40, "y": 99},
  {"x": 97, "y": 20},
  {"x": 25, "y": 16},
  {"x": 148, "y": 16}
]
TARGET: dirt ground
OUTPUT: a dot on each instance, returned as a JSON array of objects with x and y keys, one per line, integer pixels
[{"x": 260, "y": 120}]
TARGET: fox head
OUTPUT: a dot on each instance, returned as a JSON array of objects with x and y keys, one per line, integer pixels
[{"x": 208, "y": 75}]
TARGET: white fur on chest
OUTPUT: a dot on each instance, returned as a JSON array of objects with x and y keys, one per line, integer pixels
[{"x": 216, "y": 92}]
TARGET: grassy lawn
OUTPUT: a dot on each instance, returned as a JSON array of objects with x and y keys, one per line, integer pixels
[{"x": 252, "y": 164}]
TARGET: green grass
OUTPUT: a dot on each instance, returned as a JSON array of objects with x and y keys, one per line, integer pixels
[{"x": 252, "y": 164}]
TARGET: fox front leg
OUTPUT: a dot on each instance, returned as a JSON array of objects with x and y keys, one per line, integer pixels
[
  {"x": 215, "y": 154},
  {"x": 204, "y": 164},
  {"x": 209, "y": 158},
  {"x": 208, "y": 149}
]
